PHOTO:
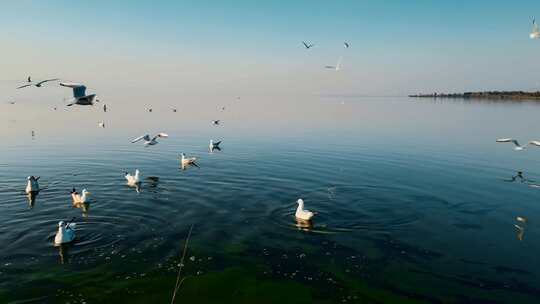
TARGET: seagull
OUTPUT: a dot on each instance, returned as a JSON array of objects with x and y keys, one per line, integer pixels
[
  {"x": 187, "y": 161},
  {"x": 32, "y": 185},
  {"x": 150, "y": 141},
  {"x": 149, "y": 110},
  {"x": 518, "y": 146},
  {"x": 78, "y": 198},
  {"x": 346, "y": 44},
  {"x": 301, "y": 213},
  {"x": 535, "y": 34},
  {"x": 38, "y": 84},
  {"x": 133, "y": 180},
  {"x": 337, "y": 67},
  {"x": 65, "y": 234},
  {"x": 174, "y": 110},
  {"x": 101, "y": 124},
  {"x": 79, "y": 94},
  {"x": 11, "y": 102},
  {"x": 29, "y": 79},
  {"x": 215, "y": 122},
  {"x": 307, "y": 46},
  {"x": 104, "y": 108},
  {"x": 214, "y": 145}
]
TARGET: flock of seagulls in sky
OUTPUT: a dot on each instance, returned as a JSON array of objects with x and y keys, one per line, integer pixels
[{"x": 336, "y": 67}]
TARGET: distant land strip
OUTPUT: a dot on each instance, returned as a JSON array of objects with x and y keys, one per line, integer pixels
[{"x": 484, "y": 95}]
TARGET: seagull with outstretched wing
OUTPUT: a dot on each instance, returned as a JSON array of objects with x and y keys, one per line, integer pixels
[
  {"x": 37, "y": 84},
  {"x": 148, "y": 141},
  {"x": 519, "y": 147},
  {"x": 307, "y": 46},
  {"x": 79, "y": 94}
]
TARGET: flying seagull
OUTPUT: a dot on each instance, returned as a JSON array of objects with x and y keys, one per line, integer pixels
[
  {"x": 38, "y": 84},
  {"x": 346, "y": 44},
  {"x": 215, "y": 122},
  {"x": 307, "y": 46},
  {"x": 79, "y": 94},
  {"x": 335, "y": 68},
  {"x": 518, "y": 146},
  {"x": 535, "y": 34},
  {"x": 150, "y": 141}
]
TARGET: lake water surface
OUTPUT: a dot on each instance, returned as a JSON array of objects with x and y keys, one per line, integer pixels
[{"x": 411, "y": 197}]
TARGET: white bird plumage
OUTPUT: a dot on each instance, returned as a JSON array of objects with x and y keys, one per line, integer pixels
[
  {"x": 150, "y": 141},
  {"x": 518, "y": 147},
  {"x": 79, "y": 94},
  {"x": 187, "y": 160},
  {"x": 133, "y": 180},
  {"x": 535, "y": 33},
  {"x": 65, "y": 233},
  {"x": 301, "y": 213},
  {"x": 79, "y": 198},
  {"x": 32, "y": 185}
]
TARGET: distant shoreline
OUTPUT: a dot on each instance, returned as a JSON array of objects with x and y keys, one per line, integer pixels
[{"x": 518, "y": 95}]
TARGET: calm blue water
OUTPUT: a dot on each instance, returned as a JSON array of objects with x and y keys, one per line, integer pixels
[{"x": 411, "y": 198}]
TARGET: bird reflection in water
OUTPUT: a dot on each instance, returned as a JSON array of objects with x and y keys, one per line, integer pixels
[
  {"x": 520, "y": 227},
  {"x": 304, "y": 225},
  {"x": 518, "y": 177},
  {"x": 85, "y": 207},
  {"x": 63, "y": 250},
  {"x": 32, "y": 198},
  {"x": 152, "y": 181}
]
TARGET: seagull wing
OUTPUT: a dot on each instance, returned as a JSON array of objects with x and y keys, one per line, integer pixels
[
  {"x": 145, "y": 137},
  {"x": 503, "y": 140},
  {"x": 346, "y": 44},
  {"x": 535, "y": 143},
  {"x": 162, "y": 135},
  {"x": 24, "y": 86},
  {"x": 46, "y": 80},
  {"x": 338, "y": 67},
  {"x": 305, "y": 44},
  {"x": 78, "y": 89}
]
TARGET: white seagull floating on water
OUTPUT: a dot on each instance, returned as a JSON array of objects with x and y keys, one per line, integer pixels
[
  {"x": 301, "y": 213},
  {"x": 65, "y": 233},
  {"x": 535, "y": 34},
  {"x": 518, "y": 146},
  {"x": 79, "y": 198},
  {"x": 150, "y": 141},
  {"x": 214, "y": 145},
  {"x": 32, "y": 185},
  {"x": 187, "y": 161},
  {"x": 79, "y": 94},
  {"x": 133, "y": 180}
]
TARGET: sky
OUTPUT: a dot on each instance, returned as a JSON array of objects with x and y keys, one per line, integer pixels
[{"x": 215, "y": 48}]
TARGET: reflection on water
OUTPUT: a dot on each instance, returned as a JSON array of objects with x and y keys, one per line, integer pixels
[
  {"x": 32, "y": 198},
  {"x": 397, "y": 202}
]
